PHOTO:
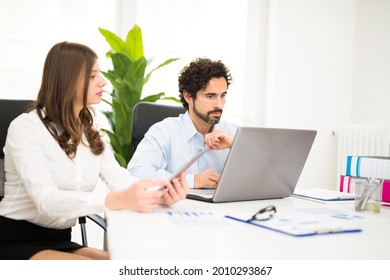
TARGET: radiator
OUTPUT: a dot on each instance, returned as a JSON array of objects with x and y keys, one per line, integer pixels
[{"x": 362, "y": 140}]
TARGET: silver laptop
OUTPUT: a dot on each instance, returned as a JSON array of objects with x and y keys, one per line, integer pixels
[{"x": 263, "y": 163}]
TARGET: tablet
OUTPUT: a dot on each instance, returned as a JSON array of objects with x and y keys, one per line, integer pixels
[
  {"x": 184, "y": 168},
  {"x": 191, "y": 162}
]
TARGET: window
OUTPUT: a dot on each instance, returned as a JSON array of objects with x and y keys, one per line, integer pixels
[{"x": 30, "y": 28}]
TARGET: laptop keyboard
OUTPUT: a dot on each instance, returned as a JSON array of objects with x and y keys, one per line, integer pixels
[{"x": 203, "y": 192}]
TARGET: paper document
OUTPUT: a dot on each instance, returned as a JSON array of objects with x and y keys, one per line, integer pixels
[
  {"x": 324, "y": 195},
  {"x": 196, "y": 218}
]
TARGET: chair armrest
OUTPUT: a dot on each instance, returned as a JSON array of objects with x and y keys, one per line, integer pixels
[
  {"x": 2, "y": 178},
  {"x": 100, "y": 221}
]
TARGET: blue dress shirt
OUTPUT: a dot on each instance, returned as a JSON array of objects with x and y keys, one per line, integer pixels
[{"x": 170, "y": 144}]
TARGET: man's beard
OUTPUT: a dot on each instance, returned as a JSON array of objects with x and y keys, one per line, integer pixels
[{"x": 206, "y": 117}]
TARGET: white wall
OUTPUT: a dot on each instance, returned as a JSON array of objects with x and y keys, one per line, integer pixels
[
  {"x": 310, "y": 80},
  {"x": 371, "y": 83},
  {"x": 324, "y": 64}
]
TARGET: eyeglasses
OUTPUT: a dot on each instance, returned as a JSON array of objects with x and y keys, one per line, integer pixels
[{"x": 264, "y": 214}]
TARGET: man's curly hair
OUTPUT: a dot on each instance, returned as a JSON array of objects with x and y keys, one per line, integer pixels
[{"x": 197, "y": 76}]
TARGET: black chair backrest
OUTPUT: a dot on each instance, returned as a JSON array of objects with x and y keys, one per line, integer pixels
[
  {"x": 145, "y": 114},
  {"x": 9, "y": 110}
]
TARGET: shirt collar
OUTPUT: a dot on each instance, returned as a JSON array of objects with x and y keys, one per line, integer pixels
[{"x": 189, "y": 127}]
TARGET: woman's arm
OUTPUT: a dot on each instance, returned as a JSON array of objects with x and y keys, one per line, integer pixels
[{"x": 139, "y": 197}]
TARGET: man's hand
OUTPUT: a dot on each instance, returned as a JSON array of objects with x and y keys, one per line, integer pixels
[
  {"x": 206, "y": 178},
  {"x": 218, "y": 140}
]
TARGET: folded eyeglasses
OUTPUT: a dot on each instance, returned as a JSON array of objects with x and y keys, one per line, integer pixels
[{"x": 264, "y": 214}]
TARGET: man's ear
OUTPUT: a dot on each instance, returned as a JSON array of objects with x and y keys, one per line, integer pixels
[{"x": 187, "y": 96}]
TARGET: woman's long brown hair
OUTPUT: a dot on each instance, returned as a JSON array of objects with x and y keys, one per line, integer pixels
[{"x": 63, "y": 67}]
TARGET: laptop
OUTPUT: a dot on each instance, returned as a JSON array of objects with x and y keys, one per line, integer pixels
[{"x": 263, "y": 163}]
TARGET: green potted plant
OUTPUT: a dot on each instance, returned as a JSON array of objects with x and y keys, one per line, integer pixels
[{"x": 127, "y": 77}]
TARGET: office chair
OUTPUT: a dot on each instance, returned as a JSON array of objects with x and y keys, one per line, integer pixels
[
  {"x": 145, "y": 114},
  {"x": 9, "y": 110}
]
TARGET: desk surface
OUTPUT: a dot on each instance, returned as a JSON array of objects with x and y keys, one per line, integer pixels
[{"x": 154, "y": 236}]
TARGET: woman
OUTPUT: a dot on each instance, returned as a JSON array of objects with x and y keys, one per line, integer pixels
[{"x": 54, "y": 156}]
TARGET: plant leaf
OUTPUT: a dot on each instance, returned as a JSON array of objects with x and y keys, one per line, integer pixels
[
  {"x": 172, "y": 98},
  {"x": 153, "y": 98},
  {"x": 134, "y": 44},
  {"x": 115, "y": 42},
  {"x": 134, "y": 80},
  {"x": 110, "y": 118},
  {"x": 120, "y": 159},
  {"x": 113, "y": 139},
  {"x": 168, "y": 61},
  {"x": 127, "y": 78}
]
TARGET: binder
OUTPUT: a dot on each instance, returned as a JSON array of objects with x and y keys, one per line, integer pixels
[
  {"x": 298, "y": 225},
  {"x": 348, "y": 185},
  {"x": 368, "y": 166}
]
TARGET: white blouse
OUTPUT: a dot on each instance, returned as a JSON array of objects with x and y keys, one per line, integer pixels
[{"x": 44, "y": 186}]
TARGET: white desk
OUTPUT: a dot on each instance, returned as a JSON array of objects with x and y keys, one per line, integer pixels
[{"x": 149, "y": 236}]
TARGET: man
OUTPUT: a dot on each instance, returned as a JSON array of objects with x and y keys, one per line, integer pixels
[{"x": 171, "y": 143}]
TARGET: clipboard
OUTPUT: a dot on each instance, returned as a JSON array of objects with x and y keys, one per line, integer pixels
[{"x": 301, "y": 226}]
